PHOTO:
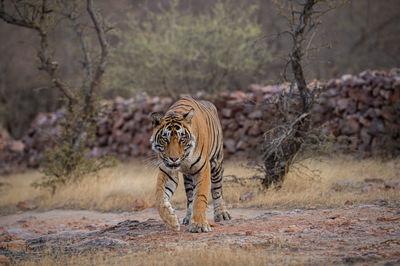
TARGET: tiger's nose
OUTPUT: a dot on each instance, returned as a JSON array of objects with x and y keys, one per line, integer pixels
[{"x": 174, "y": 159}]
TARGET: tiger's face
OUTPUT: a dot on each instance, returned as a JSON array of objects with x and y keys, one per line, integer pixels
[{"x": 172, "y": 139}]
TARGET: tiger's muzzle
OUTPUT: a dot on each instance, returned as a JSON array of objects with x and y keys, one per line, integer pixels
[{"x": 173, "y": 163}]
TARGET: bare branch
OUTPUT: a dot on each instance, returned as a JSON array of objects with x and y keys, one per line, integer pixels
[
  {"x": 103, "y": 44},
  {"x": 84, "y": 48},
  {"x": 46, "y": 62},
  {"x": 16, "y": 21}
]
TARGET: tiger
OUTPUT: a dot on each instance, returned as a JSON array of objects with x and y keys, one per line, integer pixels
[{"x": 188, "y": 139}]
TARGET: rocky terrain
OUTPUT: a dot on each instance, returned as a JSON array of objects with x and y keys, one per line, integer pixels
[{"x": 353, "y": 234}]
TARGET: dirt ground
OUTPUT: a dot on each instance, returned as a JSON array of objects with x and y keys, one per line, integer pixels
[{"x": 351, "y": 235}]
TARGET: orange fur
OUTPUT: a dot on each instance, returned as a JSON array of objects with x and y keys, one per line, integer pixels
[{"x": 188, "y": 139}]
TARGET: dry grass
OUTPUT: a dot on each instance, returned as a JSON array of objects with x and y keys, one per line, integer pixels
[
  {"x": 309, "y": 185},
  {"x": 116, "y": 189},
  {"x": 182, "y": 256}
]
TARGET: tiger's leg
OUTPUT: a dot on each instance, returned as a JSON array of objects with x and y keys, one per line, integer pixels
[
  {"x": 198, "y": 222},
  {"x": 167, "y": 183},
  {"x": 220, "y": 211},
  {"x": 189, "y": 187}
]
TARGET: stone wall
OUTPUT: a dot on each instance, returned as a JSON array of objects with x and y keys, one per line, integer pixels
[{"x": 364, "y": 108}]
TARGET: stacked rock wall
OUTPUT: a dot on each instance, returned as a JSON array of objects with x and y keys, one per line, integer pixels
[{"x": 365, "y": 108}]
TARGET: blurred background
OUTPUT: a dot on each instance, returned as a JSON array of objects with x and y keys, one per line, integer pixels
[{"x": 353, "y": 37}]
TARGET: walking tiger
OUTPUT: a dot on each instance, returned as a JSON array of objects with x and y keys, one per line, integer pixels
[{"x": 188, "y": 139}]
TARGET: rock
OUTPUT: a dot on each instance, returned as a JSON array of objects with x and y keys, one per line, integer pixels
[
  {"x": 393, "y": 183},
  {"x": 342, "y": 104},
  {"x": 26, "y": 205},
  {"x": 4, "y": 260},
  {"x": 270, "y": 89},
  {"x": 230, "y": 145},
  {"x": 257, "y": 114},
  {"x": 227, "y": 112},
  {"x": 254, "y": 131},
  {"x": 14, "y": 245},
  {"x": 249, "y": 233},
  {"x": 348, "y": 203},
  {"x": 366, "y": 138},
  {"x": 374, "y": 180},
  {"x": 241, "y": 145},
  {"x": 347, "y": 80},
  {"x": 17, "y": 146},
  {"x": 351, "y": 126},
  {"x": 377, "y": 127},
  {"x": 140, "y": 205},
  {"x": 379, "y": 202},
  {"x": 388, "y": 219}
]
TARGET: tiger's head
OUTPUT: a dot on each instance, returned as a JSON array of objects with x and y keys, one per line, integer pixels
[{"x": 172, "y": 139}]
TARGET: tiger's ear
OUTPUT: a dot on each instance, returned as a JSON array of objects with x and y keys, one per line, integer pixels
[
  {"x": 188, "y": 116},
  {"x": 156, "y": 118}
]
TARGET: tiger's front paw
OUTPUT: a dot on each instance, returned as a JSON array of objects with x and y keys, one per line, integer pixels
[
  {"x": 169, "y": 217},
  {"x": 199, "y": 227},
  {"x": 186, "y": 220},
  {"x": 221, "y": 214}
]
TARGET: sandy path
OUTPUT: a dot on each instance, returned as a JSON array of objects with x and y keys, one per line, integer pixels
[{"x": 355, "y": 234}]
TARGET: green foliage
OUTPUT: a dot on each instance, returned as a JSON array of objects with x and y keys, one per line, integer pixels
[
  {"x": 69, "y": 161},
  {"x": 173, "y": 50}
]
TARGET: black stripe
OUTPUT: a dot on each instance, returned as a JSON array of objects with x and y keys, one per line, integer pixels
[
  {"x": 220, "y": 195},
  {"x": 217, "y": 172},
  {"x": 214, "y": 138},
  {"x": 198, "y": 159},
  {"x": 200, "y": 168},
  {"x": 170, "y": 190},
  {"x": 169, "y": 176},
  {"x": 215, "y": 181},
  {"x": 216, "y": 149},
  {"x": 215, "y": 188},
  {"x": 179, "y": 105},
  {"x": 156, "y": 135},
  {"x": 204, "y": 198}
]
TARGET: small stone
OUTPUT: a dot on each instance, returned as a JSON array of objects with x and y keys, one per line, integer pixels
[
  {"x": 212, "y": 224},
  {"x": 230, "y": 145},
  {"x": 348, "y": 203},
  {"x": 333, "y": 217},
  {"x": 227, "y": 112},
  {"x": 379, "y": 202},
  {"x": 4, "y": 260},
  {"x": 249, "y": 233},
  {"x": 257, "y": 114},
  {"x": 393, "y": 183},
  {"x": 26, "y": 205},
  {"x": 17, "y": 146}
]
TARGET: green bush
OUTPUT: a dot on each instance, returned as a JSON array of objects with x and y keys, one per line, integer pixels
[
  {"x": 69, "y": 162},
  {"x": 172, "y": 50}
]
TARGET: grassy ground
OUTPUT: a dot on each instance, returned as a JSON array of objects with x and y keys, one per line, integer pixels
[
  {"x": 184, "y": 256},
  {"x": 306, "y": 186}
]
